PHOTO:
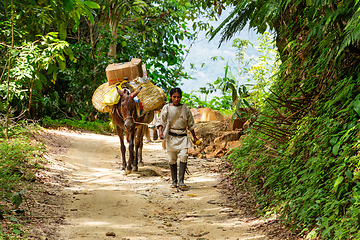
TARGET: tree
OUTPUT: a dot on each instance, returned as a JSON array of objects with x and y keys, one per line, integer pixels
[{"x": 308, "y": 125}]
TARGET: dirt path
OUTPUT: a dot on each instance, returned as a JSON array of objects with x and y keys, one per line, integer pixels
[{"x": 101, "y": 200}]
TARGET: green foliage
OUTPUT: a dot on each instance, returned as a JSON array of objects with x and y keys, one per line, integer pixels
[
  {"x": 95, "y": 126},
  {"x": 259, "y": 73},
  {"x": 301, "y": 157},
  {"x": 19, "y": 154},
  {"x": 15, "y": 154},
  {"x": 222, "y": 104},
  {"x": 56, "y": 75},
  {"x": 15, "y": 232}
]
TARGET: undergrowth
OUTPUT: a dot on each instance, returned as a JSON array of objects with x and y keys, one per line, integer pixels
[
  {"x": 301, "y": 157},
  {"x": 20, "y": 157},
  {"x": 96, "y": 126},
  {"x": 312, "y": 178}
]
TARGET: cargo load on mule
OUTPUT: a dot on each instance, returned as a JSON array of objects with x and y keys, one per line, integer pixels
[
  {"x": 117, "y": 72},
  {"x": 131, "y": 75},
  {"x": 126, "y": 82}
]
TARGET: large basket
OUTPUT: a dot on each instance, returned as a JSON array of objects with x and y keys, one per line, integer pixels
[
  {"x": 151, "y": 96},
  {"x": 98, "y": 98}
]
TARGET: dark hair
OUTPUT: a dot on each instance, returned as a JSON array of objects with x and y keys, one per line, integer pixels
[{"x": 175, "y": 90}]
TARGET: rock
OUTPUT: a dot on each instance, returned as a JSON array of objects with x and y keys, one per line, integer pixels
[
  {"x": 32, "y": 161},
  {"x": 238, "y": 123},
  {"x": 219, "y": 153},
  {"x": 194, "y": 151},
  {"x": 222, "y": 141},
  {"x": 246, "y": 124},
  {"x": 195, "y": 114},
  {"x": 233, "y": 144},
  {"x": 110, "y": 234},
  {"x": 30, "y": 176},
  {"x": 209, "y": 149},
  {"x": 211, "y": 115}
]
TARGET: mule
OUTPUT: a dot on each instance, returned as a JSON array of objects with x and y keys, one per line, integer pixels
[{"x": 128, "y": 120}]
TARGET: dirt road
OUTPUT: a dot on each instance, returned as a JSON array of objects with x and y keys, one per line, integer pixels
[{"x": 104, "y": 203}]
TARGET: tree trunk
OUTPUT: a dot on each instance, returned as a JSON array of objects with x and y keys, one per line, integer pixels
[{"x": 112, "y": 48}]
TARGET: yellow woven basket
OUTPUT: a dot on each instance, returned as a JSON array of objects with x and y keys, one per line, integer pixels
[
  {"x": 151, "y": 96},
  {"x": 98, "y": 98}
]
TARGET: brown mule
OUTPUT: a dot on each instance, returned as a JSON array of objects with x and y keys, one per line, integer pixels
[{"x": 127, "y": 119}]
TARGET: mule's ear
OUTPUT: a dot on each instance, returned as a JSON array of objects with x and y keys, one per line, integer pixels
[
  {"x": 120, "y": 92},
  {"x": 136, "y": 92}
]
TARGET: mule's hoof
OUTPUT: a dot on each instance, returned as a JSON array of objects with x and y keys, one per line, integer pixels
[
  {"x": 135, "y": 168},
  {"x": 127, "y": 171},
  {"x": 141, "y": 163}
]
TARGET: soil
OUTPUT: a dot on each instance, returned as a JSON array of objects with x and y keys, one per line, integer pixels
[{"x": 83, "y": 194}]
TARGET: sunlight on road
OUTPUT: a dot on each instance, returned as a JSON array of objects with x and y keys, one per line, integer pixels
[{"x": 141, "y": 205}]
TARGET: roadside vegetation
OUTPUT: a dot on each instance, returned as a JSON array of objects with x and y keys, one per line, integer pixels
[
  {"x": 21, "y": 156},
  {"x": 300, "y": 157}
]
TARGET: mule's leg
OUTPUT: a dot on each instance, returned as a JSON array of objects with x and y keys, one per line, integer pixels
[
  {"x": 120, "y": 133},
  {"x": 127, "y": 136},
  {"x": 137, "y": 144},
  {"x": 141, "y": 144},
  {"x": 131, "y": 152}
]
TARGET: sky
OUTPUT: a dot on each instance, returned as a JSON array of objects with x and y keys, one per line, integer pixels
[{"x": 201, "y": 52}]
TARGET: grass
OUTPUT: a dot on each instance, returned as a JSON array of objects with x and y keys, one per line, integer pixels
[
  {"x": 19, "y": 155},
  {"x": 95, "y": 126}
]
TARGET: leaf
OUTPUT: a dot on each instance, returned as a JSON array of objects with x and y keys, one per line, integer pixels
[
  {"x": 38, "y": 84},
  {"x": 54, "y": 76},
  {"x": 356, "y": 105},
  {"x": 335, "y": 148},
  {"x": 62, "y": 64},
  {"x": 92, "y": 5},
  {"x": 234, "y": 96},
  {"x": 62, "y": 30},
  {"x": 89, "y": 15},
  {"x": 69, "y": 5},
  {"x": 76, "y": 19},
  {"x": 338, "y": 182},
  {"x": 69, "y": 52},
  {"x": 246, "y": 103},
  {"x": 310, "y": 13},
  {"x": 334, "y": 140},
  {"x": 16, "y": 199},
  {"x": 349, "y": 174},
  {"x": 1, "y": 106}
]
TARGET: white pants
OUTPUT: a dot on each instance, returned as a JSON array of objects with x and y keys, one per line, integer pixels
[{"x": 182, "y": 155}]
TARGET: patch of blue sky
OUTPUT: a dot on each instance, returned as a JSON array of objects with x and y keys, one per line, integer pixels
[{"x": 201, "y": 53}]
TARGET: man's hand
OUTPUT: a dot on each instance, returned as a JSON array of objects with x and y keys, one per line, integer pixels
[{"x": 161, "y": 134}]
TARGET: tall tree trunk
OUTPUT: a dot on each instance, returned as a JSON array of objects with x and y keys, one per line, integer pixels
[{"x": 112, "y": 48}]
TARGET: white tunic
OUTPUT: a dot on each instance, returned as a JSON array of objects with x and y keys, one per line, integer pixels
[{"x": 182, "y": 124}]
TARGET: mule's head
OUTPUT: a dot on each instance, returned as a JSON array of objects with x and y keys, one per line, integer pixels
[{"x": 128, "y": 108}]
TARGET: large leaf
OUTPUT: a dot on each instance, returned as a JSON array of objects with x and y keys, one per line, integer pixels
[
  {"x": 89, "y": 15},
  {"x": 336, "y": 148},
  {"x": 338, "y": 182},
  {"x": 92, "y": 5},
  {"x": 356, "y": 105},
  {"x": 62, "y": 64},
  {"x": 38, "y": 84},
  {"x": 17, "y": 198},
  {"x": 69, "y": 5},
  {"x": 62, "y": 30}
]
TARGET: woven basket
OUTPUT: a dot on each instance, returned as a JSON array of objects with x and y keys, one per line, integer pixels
[
  {"x": 98, "y": 98},
  {"x": 151, "y": 96}
]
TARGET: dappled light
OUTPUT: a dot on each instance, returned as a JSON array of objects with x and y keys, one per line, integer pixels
[{"x": 102, "y": 199}]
